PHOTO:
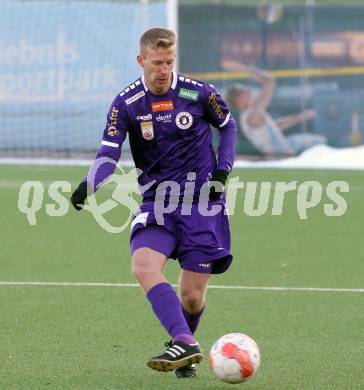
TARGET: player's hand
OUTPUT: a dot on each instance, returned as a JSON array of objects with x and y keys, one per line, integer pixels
[
  {"x": 216, "y": 190},
  {"x": 79, "y": 196}
]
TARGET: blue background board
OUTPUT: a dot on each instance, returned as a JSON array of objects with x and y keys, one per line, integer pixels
[{"x": 61, "y": 65}]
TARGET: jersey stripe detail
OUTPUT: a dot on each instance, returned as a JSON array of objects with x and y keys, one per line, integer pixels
[
  {"x": 174, "y": 82},
  {"x": 112, "y": 144},
  {"x": 144, "y": 85},
  {"x": 225, "y": 121}
]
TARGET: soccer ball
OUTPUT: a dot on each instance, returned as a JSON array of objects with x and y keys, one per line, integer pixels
[{"x": 234, "y": 358}]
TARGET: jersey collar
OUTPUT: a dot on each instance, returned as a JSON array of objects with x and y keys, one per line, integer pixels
[{"x": 173, "y": 85}]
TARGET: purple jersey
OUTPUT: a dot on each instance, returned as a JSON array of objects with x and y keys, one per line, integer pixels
[{"x": 169, "y": 134}]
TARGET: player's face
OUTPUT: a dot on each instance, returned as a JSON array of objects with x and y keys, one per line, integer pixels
[
  {"x": 245, "y": 100},
  {"x": 157, "y": 64}
]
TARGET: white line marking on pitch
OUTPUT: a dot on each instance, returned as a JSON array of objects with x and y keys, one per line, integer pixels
[
  {"x": 291, "y": 163},
  {"x": 257, "y": 288}
]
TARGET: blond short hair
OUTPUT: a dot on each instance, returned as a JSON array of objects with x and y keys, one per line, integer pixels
[{"x": 157, "y": 37}]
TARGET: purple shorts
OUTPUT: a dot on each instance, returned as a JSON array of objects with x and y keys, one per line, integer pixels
[{"x": 200, "y": 243}]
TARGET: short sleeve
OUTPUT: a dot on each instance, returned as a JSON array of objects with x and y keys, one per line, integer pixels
[{"x": 217, "y": 112}]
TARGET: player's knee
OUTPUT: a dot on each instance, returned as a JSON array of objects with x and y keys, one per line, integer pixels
[
  {"x": 143, "y": 266},
  {"x": 139, "y": 267}
]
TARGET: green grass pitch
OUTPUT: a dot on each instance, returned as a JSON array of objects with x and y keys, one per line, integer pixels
[{"x": 79, "y": 337}]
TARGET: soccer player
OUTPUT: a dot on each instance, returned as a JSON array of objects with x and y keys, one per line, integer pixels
[{"x": 168, "y": 117}]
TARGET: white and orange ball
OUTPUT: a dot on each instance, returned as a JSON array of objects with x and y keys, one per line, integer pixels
[{"x": 234, "y": 358}]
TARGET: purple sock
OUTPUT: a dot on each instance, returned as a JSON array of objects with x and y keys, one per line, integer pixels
[
  {"x": 192, "y": 319},
  {"x": 167, "y": 307}
]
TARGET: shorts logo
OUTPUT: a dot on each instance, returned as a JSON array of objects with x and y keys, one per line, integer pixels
[
  {"x": 205, "y": 265},
  {"x": 164, "y": 118},
  {"x": 147, "y": 130},
  {"x": 189, "y": 94},
  {"x": 135, "y": 97},
  {"x": 166, "y": 105},
  {"x": 112, "y": 131},
  {"x": 184, "y": 120}
]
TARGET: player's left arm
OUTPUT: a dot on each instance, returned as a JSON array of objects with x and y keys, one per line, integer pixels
[{"x": 219, "y": 116}]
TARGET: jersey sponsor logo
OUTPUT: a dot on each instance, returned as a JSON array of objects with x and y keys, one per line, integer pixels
[
  {"x": 135, "y": 97},
  {"x": 147, "y": 117},
  {"x": 164, "y": 118},
  {"x": 184, "y": 120},
  {"x": 147, "y": 130},
  {"x": 215, "y": 105},
  {"x": 165, "y": 105},
  {"x": 188, "y": 94},
  {"x": 112, "y": 131}
]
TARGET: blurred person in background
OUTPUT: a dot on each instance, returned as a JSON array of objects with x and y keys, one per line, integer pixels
[{"x": 265, "y": 133}]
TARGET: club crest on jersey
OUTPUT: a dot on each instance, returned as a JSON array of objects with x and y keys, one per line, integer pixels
[
  {"x": 147, "y": 130},
  {"x": 184, "y": 120}
]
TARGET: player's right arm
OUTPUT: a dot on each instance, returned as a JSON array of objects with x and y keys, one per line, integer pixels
[{"x": 108, "y": 154}]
